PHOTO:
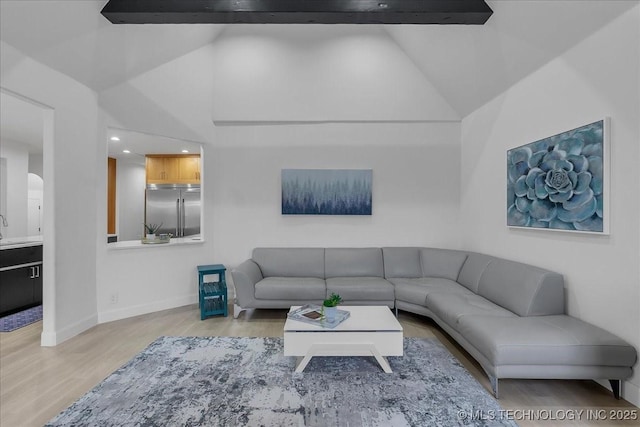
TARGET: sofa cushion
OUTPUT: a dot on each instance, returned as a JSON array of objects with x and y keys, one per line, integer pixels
[
  {"x": 472, "y": 270},
  {"x": 415, "y": 291},
  {"x": 524, "y": 289},
  {"x": 353, "y": 262},
  {"x": 451, "y": 307},
  {"x": 545, "y": 340},
  {"x": 290, "y": 262},
  {"x": 402, "y": 262},
  {"x": 361, "y": 288},
  {"x": 291, "y": 288},
  {"x": 441, "y": 263}
]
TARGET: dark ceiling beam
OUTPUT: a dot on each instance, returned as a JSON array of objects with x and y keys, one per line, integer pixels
[{"x": 474, "y": 12}]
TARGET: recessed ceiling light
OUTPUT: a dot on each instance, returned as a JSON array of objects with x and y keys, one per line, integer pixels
[
  {"x": 185, "y": 151},
  {"x": 115, "y": 138},
  {"x": 126, "y": 151}
]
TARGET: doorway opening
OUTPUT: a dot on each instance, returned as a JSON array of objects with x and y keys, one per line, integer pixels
[{"x": 26, "y": 149}]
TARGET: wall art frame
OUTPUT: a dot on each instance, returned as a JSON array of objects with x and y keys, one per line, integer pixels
[
  {"x": 562, "y": 182},
  {"x": 327, "y": 191}
]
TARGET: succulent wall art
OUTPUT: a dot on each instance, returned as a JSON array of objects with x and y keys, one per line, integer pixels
[{"x": 559, "y": 182}]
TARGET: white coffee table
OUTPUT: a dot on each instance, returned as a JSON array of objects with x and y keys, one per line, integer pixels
[{"x": 369, "y": 331}]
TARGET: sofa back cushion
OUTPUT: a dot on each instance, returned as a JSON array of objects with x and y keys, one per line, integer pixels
[
  {"x": 353, "y": 262},
  {"x": 523, "y": 289},
  {"x": 402, "y": 262},
  {"x": 443, "y": 263},
  {"x": 472, "y": 270},
  {"x": 290, "y": 262}
]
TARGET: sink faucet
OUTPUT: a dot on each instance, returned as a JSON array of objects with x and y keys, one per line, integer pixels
[{"x": 4, "y": 224}]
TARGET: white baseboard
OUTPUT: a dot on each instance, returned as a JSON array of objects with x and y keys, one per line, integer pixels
[
  {"x": 51, "y": 339},
  {"x": 137, "y": 310},
  {"x": 630, "y": 392}
]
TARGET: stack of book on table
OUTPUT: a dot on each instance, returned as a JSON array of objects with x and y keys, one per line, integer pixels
[{"x": 314, "y": 315}]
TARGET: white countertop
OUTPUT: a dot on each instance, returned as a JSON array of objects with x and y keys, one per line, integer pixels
[
  {"x": 137, "y": 244},
  {"x": 20, "y": 242}
]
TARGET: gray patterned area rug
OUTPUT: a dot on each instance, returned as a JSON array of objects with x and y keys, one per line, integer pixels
[{"x": 222, "y": 381}]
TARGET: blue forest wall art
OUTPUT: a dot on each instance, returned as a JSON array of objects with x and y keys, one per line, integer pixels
[
  {"x": 326, "y": 191},
  {"x": 560, "y": 182}
]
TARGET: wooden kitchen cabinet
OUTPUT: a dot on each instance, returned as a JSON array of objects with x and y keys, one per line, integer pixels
[
  {"x": 189, "y": 170},
  {"x": 162, "y": 169},
  {"x": 173, "y": 169},
  {"x": 154, "y": 169},
  {"x": 112, "y": 168}
]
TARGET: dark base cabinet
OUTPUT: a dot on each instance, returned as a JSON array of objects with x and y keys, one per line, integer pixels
[
  {"x": 20, "y": 279},
  {"x": 37, "y": 286}
]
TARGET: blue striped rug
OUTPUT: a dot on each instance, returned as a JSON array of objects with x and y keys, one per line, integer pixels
[{"x": 18, "y": 320}]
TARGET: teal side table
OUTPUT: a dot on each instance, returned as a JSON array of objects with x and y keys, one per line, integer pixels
[{"x": 212, "y": 295}]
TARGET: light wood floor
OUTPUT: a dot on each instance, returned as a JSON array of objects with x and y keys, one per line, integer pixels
[{"x": 36, "y": 383}]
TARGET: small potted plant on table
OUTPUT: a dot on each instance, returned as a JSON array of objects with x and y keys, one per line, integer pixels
[
  {"x": 151, "y": 230},
  {"x": 329, "y": 306}
]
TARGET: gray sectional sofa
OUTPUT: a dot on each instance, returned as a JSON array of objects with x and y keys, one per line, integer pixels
[{"x": 509, "y": 316}]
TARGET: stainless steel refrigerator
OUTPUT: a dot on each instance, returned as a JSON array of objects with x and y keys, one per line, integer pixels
[{"x": 176, "y": 207}]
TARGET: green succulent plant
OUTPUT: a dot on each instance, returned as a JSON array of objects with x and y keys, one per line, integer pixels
[
  {"x": 333, "y": 300},
  {"x": 152, "y": 228}
]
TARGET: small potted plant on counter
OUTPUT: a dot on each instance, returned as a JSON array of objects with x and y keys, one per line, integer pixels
[
  {"x": 151, "y": 230},
  {"x": 329, "y": 306}
]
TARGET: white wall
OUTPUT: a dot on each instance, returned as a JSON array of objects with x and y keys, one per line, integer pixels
[
  {"x": 318, "y": 72},
  {"x": 70, "y": 156},
  {"x": 415, "y": 185},
  {"x": 130, "y": 185},
  {"x": 36, "y": 164},
  {"x": 597, "y": 78},
  {"x": 148, "y": 279},
  {"x": 15, "y": 211}
]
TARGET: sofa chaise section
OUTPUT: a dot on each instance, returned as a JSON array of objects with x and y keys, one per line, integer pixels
[{"x": 558, "y": 346}]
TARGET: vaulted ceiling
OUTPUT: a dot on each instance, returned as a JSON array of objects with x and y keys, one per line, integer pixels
[{"x": 255, "y": 73}]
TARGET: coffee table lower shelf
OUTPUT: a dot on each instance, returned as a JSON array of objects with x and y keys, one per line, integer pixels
[{"x": 363, "y": 349}]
